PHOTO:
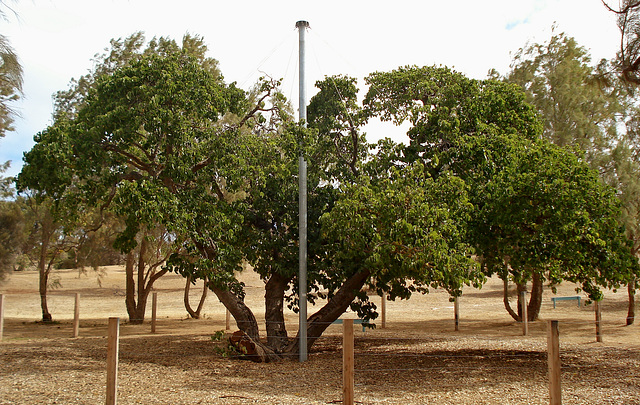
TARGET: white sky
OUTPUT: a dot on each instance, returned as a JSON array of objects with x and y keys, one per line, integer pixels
[{"x": 56, "y": 40}]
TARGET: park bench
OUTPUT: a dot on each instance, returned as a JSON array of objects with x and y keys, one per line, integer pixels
[
  {"x": 355, "y": 322},
  {"x": 573, "y": 297}
]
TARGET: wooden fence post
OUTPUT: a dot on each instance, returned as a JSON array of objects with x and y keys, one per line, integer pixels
[
  {"x": 112, "y": 361},
  {"x": 154, "y": 311},
  {"x": 383, "y": 310},
  {"x": 1, "y": 316},
  {"x": 347, "y": 362},
  {"x": 525, "y": 314},
  {"x": 227, "y": 325},
  {"x": 76, "y": 317},
  {"x": 553, "y": 351},
  {"x": 598, "y": 321},
  {"x": 456, "y": 312}
]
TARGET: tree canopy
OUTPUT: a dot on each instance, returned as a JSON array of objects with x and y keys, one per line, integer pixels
[{"x": 485, "y": 133}]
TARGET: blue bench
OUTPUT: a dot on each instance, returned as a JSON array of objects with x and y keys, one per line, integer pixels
[
  {"x": 355, "y": 322},
  {"x": 573, "y": 297}
]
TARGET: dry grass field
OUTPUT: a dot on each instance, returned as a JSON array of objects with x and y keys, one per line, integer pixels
[{"x": 417, "y": 359}]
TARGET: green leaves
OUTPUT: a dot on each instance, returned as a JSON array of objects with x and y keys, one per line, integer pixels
[
  {"x": 550, "y": 213},
  {"x": 445, "y": 108},
  {"x": 409, "y": 231}
]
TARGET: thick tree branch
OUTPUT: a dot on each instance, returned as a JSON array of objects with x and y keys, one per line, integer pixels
[{"x": 623, "y": 10}]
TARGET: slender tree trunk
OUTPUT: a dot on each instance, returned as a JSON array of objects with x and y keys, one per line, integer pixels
[
  {"x": 507, "y": 304},
  {"x": 631, "y": 290},
  {"x": 274, "y": 312},
  {"x": 535, "y": 303},
  {"x": 145, "y": 278},
  {"x": 44, "y": 272},
  {"x": 332, "y": 310},
  {"x": 535, "y": 300},
  {"x": 520, "y": 288},
  {"x": 194, "y": 314},
  {"x": 130, "y": 288}
]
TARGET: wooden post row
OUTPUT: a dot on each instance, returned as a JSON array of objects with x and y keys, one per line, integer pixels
[
  {"x": 553, "y": 359},
  {"x": 76, "y": 317},
  {"x": 598, "y": 321},
  {"x": 154, "y": 311},
  {"x": 525, "y": 314},
  {"x": 347, "y": 362},
  {"x": 227, "y": 325},
  {"x": 113, "y": 344}
]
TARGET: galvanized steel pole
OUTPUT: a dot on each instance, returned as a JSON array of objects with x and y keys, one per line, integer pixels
[{"x": 302, "y": 199}]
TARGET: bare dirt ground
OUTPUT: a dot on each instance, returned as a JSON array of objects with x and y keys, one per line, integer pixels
[{"x": 417, "y": 359}]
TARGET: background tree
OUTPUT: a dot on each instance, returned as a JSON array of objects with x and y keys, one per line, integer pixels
[
  {"x": 10, "y": 80},
  {"x": 577, "y": 107},
  {"x": 584, "y": 107},
  {"x": 47, "y": 176},
  {"x": 12, "y": 231},
  {"x": 552, "y": 218},
  {"x": 10, "y": 91},
  {"x": 47, "y": 240},
  {"x": 628, "y": 57}
]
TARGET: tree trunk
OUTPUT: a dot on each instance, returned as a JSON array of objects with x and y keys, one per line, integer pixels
[
  {"x": 136, "y": 309},
  {"x": 130, "y": 288},
  {"x": 194, "y": 314},
  {"x": 631, "y": 290},
  {"x": 507, "y": 304},
  {"x": 535, "y": 302},
  {"x": 142, "y": 291},
  {"x": 337, "y": 305},
  {"x": 274, "y": 312},
  {"x": 44, "y": 271},
  {"x": 245, "y": 320}
]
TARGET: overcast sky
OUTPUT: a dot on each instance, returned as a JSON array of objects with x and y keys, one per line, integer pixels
[{"x": 56, "y": 40}]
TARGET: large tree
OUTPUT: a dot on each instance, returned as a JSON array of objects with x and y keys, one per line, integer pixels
[
  {"x": 164, "y": 141},
  {"x": 476, "y": 130}
]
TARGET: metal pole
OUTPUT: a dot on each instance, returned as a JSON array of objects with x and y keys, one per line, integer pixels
[
  {"x": 302, "y": 199},
  {"x": 302, "y": 91}
]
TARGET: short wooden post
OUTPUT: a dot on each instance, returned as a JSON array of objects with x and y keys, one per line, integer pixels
[
  {"x": 112, "y": 361},
  {"x": 1, "y": 315},
  {"x": 553, "y": 358},
  {"x": 76, "y": 317},
  {"x": 347, "y": 362},
  {"x": 383, "y": 310},
  {"x": 525, "y": 314},
  {"x": 456, "y": 313},
  {"x": 227, "y": 325},
  {"x": 598, "y": 321},
  {"x": 154, "y": 311}
]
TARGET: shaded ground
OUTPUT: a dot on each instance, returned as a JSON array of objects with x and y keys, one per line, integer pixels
[{"x": 417, "y": 359}]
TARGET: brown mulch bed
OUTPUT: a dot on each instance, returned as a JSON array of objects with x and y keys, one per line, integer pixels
[{"x": 188, "y": 369}]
